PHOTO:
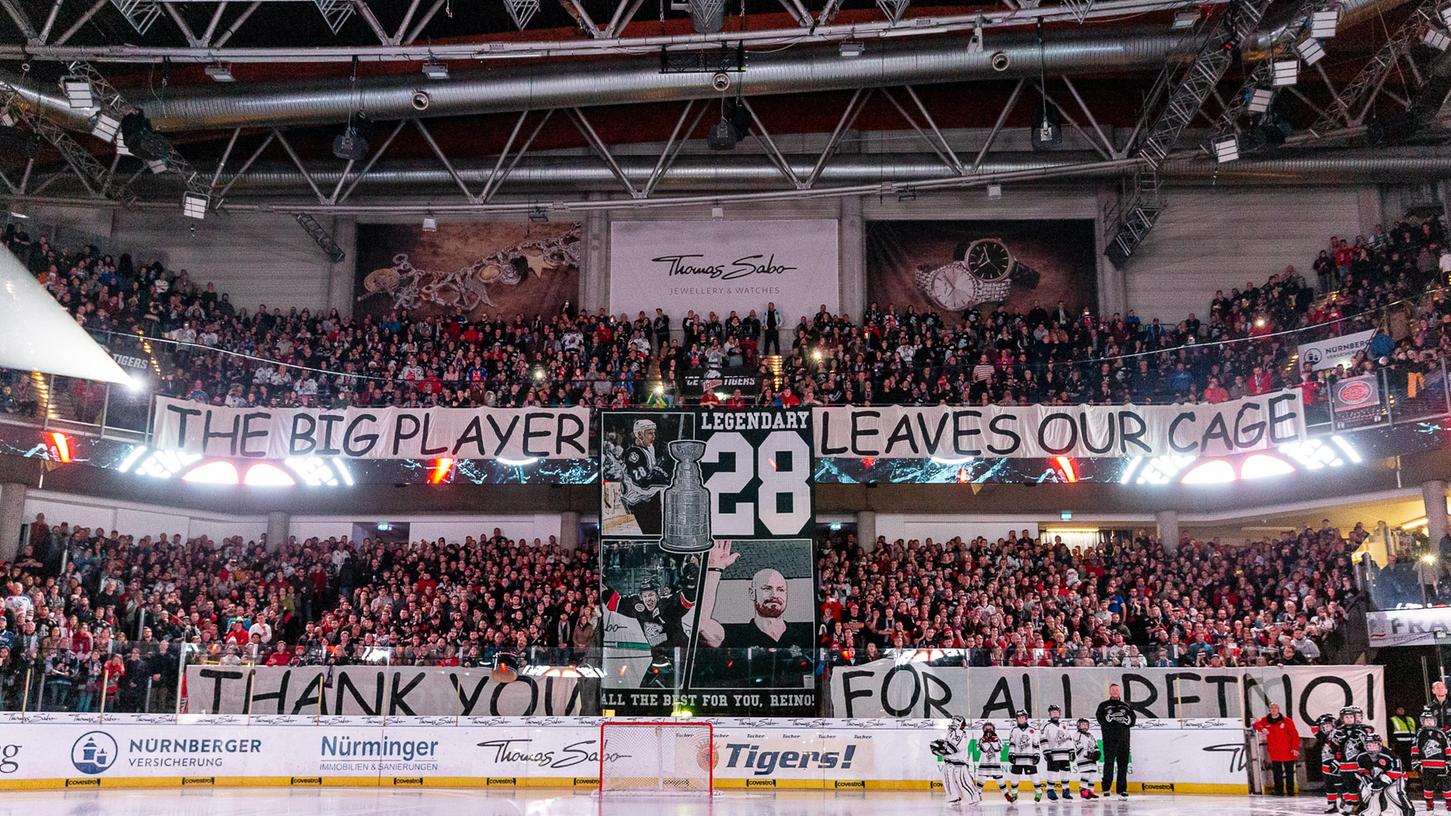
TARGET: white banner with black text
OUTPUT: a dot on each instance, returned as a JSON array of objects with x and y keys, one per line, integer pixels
[
  {"x": 511, "y": 434},
  {"x": 889, "y": 688},
  {"x": 1079, "y": 431},
  {"x": 1409, "y": 627}
]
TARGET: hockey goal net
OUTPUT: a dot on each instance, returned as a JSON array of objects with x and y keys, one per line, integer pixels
[{"x": 657, "y": 758}]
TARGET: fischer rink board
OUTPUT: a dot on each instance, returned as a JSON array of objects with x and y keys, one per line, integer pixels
[{"x": 49, "y": 751}]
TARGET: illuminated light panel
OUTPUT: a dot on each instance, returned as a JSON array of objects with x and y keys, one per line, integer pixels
[
  {"x": 342, "y": 470},
  {"x": 312, "y": 470},
  {"x": 131, "y": 459},
  {"x": 942, "y": 460},
  {"x": 219, "y": 472},
  {"x": 1133, "y": 466},
  {"x": 1264, "y": 466},
  {"x": 1161, "y": 470},
  {"x": 525, "y": 462},
  {"x": 263, "y": 474},
  {"x": 1067, "y": 465},
  {"x": 1348, "y": 449},
  {"x": 1312, "y": 454},
  {"x": 1215, "y": 471},
  {"x": 439, "y": 473},
  {"x": 165, "y": 464},
  {"x": 62, "y": 446}
]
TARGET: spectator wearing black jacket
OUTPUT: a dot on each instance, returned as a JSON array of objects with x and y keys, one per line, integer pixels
[{"x": 1115, "y": 719}]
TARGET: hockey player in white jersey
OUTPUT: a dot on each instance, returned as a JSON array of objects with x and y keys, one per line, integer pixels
[
  {"x": 1024, "y": 752},
  {"x": 1086, "y": 755},
  {"x": 1056, "y": 741},
  {"x": 990, "y": 757},
  {"x": 952, "y": 751}
]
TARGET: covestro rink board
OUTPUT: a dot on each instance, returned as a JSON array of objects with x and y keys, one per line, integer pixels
[{"x": 80, "y": 751}]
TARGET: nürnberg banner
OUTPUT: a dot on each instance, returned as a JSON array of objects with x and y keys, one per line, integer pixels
[
  {"x": 1336, "y": 351},
  {"x": 1079, "y": 431},
  {"x": 888, "y": 688},
  {"x": 371, "y": 433},
  {"x": 724, "y": 266}
]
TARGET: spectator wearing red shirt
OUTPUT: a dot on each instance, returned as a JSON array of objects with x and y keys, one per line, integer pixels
[
  {"x": 1214, "y": 392},
  {"x": 1260, "y": 382}
]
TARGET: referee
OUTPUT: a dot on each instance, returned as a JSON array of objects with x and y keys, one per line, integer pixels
[{"x": 1115, "y": 718}]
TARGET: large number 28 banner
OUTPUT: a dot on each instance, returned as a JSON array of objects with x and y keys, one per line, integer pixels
[{"x": 708, "y": 579}]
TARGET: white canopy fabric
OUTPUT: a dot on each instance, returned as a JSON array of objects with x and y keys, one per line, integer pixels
[{"x": 37, "y": 334}]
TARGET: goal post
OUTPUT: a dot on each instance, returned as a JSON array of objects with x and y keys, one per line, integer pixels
[{"x": 655, "y": 758}]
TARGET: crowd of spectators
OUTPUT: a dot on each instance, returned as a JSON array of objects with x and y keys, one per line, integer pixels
[
  {"x": 86, "y": 606},
  {"x": 1024, "y": 601},
  {"x": 1048, "y": 354}
]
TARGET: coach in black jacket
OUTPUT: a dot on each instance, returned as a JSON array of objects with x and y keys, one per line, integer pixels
[{"x": 1115, "y": 718}]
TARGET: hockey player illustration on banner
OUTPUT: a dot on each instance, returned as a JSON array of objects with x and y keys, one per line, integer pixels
[
  {"x": 952, "y": 752},
  {"x": 1323, "y": 731},
  {"x": 1057, "y": 745},
  {"x": 990, "y": 757},
  {"x": 662, "y": 618},
  {"x": 1086, "y": 755},
  {"x": 644, "y": 479},
  {"x": 1348, "y": 743},
  {"x": 1024, "y": 752},
  {"x": 1428, "y": 756},
  {"x": 1382, "y": 781}
]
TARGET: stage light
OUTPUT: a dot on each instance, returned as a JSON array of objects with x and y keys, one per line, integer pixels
[
  {"x": 538, "y": 215},
  {"x": 157, "y": 166},
  {"x": 1445, "y": 13},
  {"x": 433, "y": 69},
  {"x": 1325, "y": 22},
  {"x": 79, "y": 92},
  {"x": 851, "y": 49},
  {"x": 1264, "y": 466},
  {"x": 1310, "y": 51},
  {"x": 263, "y": 474},
  {"x": 1216, "y": 471},
  {"x": 8, "y": 118},
  {"x": 350, "y": 145},
  {"x": 816, "y": 355},
  {"x": 142, "y": 140},
  {"x": 219, "y": 472},
  {"x": 220, "y": 72},
  {"x": 384, "y": 526},
  {"x": 1226, "y": 149},
  {"x": 995, "y": 191},
  {"x": 1437, "y": 39},
  {"x": 1185, "y": 19},
  {"x": 430, "y": 224},
  {"x": 1286, "y": 72},
  {"x": 1260, "y": 99},
  {"x": 194, "y": 205},
  {"x": 104, "y": 126},
  {"x": 538, "y": 375}
]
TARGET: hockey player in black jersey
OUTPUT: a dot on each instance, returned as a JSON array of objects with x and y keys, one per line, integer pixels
[
  {"x": 644, "y": 479},
  {"x": 1428, "y": 756},
  {"x": 1382, "y": 781},
  {"x": 1348, "y": 742},
  {"x": 662, "y": 620},
  {"x": 1323, "y": 730}
]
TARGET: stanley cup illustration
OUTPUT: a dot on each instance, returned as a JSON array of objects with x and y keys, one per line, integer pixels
[{"x": 687, "y": 502}]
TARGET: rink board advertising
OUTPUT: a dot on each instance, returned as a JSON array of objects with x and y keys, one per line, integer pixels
[
  {"x": 127, "y": 751},
  {"x": 708, "y": 580}
]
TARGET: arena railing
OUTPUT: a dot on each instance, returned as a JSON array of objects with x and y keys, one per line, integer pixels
[{"x": 113, "y": 675}]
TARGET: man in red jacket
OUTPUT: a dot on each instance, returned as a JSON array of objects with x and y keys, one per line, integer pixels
[{"x": 1284, "y": 745}]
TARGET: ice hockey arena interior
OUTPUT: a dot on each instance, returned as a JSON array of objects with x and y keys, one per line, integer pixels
[{"x": 730, "y": 407}]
